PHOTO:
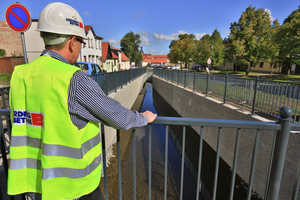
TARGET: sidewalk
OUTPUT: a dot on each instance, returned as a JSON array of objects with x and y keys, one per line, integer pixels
[{"x": 4, "y": 84}]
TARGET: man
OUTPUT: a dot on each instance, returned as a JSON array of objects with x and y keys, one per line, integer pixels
[{"x": 56, "y": 109}]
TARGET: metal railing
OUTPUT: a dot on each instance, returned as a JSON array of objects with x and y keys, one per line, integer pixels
[
  {"x": 110, "y": 82},
  {"x": 283, "y": 128},
  {"x": 258, "y": 95}
]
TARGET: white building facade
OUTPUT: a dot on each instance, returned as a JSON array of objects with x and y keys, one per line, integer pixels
[{"x": 35, "y": 45}]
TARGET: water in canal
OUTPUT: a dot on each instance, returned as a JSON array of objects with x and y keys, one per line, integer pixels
[{"x": 149, "y": 99}]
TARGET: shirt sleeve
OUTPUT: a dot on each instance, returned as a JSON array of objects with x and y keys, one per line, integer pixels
[{"x": 92, "y": 104}]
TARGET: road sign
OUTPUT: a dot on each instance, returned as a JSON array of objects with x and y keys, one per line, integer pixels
[
  {"x": 208, "y": 61},
  {"x": 17, "y": 17}
]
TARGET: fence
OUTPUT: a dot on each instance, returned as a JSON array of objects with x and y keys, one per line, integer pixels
[
  {"x": 283, "y": 128},
  {"x": 110, "y": 82},
  {"x": 258, "y": 95}
]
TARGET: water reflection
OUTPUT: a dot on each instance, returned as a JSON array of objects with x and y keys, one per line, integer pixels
[
  {"x": 160, "y": 106},
  {"x": 157, "y": 162}
]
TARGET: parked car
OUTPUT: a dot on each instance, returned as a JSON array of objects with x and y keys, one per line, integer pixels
[
  {"x": 196, "y": 67},
  {"x": 175, "y": 67},
  {"x": 90, "y": 68}
]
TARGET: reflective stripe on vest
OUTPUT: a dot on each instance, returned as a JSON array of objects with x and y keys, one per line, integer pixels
[
  {"x": 56, "y": 150},
  {"x": 55, "y": 172}
]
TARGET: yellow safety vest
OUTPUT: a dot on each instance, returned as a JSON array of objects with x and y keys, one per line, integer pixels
[{"x": 48, "y": 154}]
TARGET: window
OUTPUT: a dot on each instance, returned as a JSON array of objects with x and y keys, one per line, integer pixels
[
  {"x": 261, "y": 65},
  {"x": 94, "y": 70}
]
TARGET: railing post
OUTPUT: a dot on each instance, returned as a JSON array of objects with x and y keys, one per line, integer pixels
[
  {"x": 254, "y": 98},
  {"x": 206, "y": 83},
  {"x": 184, "y": 79},
  {"x": 225, "y": 91},
  {"x": 281, "y": 143},
  {"x": 194, "y": 82}
]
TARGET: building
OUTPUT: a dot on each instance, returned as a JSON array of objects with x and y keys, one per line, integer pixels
[
  {"x": 93, "y": 49},
  {"x": 155, "y": 60},
  {"x": 123, "y": 59},
  {"x": 113, "y": 59},
  {"x": 10, "y": 41},
  {"x": 35, "y": 45}
]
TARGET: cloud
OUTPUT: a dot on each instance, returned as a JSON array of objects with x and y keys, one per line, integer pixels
[
  {"x": 113, "y": 42},
  {"x": 152, "y": 51},
  {"x": 144, "y": 38},
  {"x": 139, "y": 14},
  {"x": 269, "y": 12},
  {"x": 226, "y": 32},
  {"x": 198, "y": 36},
  {"x": 173, "y": 36},
  {"x": 86, "y": 13}
]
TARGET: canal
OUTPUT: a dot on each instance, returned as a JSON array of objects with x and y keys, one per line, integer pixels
[{"x": 149, "y": 99}]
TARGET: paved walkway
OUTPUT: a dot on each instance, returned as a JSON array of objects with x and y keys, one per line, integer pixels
[{"x": 4, "y": 84}]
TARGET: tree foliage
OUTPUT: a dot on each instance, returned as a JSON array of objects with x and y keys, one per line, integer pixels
[
  {"x": 130, "y": 45},
  {"x": 288, "y": 39},
  {"x": 250, "y": 37},
  {"x": 203, "y": 49},
  {"x": 183, "y": 49},
  {"x": 189, "y": 50}
]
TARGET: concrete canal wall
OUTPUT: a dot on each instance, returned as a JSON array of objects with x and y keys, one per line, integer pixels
[
  {"x": 193, "y": 105},
  {"x": 126, "y": 96}
]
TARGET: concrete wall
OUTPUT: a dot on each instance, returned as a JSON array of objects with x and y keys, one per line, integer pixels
[
  {"x": 126, "y": 96},
  {"x": 189, "y": 104}
]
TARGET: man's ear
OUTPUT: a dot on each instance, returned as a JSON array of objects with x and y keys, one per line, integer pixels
[{"x": 72, "y": 44}]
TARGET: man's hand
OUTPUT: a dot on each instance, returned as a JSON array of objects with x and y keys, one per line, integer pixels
[{"x": 151, "y": 116}]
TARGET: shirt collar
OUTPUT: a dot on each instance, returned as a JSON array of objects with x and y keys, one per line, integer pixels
[{"x": 55, "y": 55}]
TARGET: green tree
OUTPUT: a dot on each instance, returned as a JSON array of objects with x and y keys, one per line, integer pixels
[
  {"x": 273, "y": 49},
  {"x": 203, "y": 49},
  {"x": 130, "y": 45},
  {"x": 218, "y": 48},
  {"x": 182, "y": 50},
  {"x": 288, "y": 38},
  {"x": 249, "y": 37}
]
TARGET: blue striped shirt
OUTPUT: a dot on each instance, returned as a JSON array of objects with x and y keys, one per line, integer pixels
[{"x": 87, "y": 102}]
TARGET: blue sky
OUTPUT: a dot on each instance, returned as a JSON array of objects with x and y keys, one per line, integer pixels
[{"x": 158, "y": 22}]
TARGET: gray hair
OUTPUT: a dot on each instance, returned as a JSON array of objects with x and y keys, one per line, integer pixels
[{"x": 53, "y": 40}]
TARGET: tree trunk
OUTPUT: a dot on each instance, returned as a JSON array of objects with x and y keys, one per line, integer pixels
[{"x": 248, "y": 69}]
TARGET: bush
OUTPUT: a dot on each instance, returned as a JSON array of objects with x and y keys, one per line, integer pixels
[
  {"x": 4, "y": 77},
  {"x": 2, "y": 52}
]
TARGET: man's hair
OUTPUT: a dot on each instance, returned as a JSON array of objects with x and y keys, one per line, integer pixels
[{"x": 52, "y": 36}]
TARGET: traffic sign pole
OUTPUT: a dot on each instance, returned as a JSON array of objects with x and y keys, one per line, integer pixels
[
  {"x": 24, "y": 47},
  {"x": 18, "y": 18}
]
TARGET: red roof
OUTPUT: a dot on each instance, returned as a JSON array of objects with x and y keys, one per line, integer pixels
[
  {"x": 124, "y": 57},
  {"x": 87, "y": 28},
  {"x": 114, "y": 55},
  {"x": 104, "y": 50},
  {"x": 155, "y": 58}
]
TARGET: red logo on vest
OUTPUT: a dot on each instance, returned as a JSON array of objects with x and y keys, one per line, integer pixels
[{"x": 22, "y": 117}]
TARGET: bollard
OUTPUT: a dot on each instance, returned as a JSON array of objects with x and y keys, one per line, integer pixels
[{"x": 281, "y": 143}]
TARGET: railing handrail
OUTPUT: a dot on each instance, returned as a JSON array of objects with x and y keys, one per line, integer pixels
[{"x": 264, "y": 96}]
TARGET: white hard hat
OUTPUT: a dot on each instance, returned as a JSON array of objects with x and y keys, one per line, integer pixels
[{"x": 60, "y": 18}]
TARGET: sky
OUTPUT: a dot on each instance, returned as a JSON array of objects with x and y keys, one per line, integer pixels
[{"x": 158, "y": 22}]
